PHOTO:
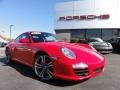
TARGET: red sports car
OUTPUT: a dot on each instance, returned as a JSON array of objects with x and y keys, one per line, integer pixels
[{"x": 51, "y": 58}]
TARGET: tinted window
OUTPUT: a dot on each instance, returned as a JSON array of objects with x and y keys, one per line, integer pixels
[
  {"x": 25, "y": 35},
  {"x": 17, "y": 39},
  {"x": 43, "y": 37}
]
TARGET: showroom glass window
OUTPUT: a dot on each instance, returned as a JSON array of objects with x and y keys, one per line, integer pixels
[
  {"x": 115, "y": 33},
  {"x": 77, "y": 34},
  {"x": 107, "y": 34},
  {"x": 93, "y": 33}
]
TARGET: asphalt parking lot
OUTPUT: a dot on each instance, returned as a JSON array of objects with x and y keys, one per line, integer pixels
[{"x": 20, "y": 77}]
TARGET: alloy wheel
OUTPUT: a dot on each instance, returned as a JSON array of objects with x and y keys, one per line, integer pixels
[{"x": 43, "y": 67}]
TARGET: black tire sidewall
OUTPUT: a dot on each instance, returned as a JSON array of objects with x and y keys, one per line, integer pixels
[{"x": 7, "y": 52}]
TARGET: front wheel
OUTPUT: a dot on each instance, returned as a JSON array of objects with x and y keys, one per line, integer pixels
[{"x": 43, "y": 67}]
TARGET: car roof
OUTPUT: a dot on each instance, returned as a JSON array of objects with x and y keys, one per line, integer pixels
[
  {"x": 29, "y": 32},
  {"x": 32, "y": 31}
]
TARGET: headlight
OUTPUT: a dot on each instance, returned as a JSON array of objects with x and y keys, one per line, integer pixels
[
  {"x": 109, "y": 44},
  {"x": 80, "y": 66},
  {"x": 68, "y": 53}
]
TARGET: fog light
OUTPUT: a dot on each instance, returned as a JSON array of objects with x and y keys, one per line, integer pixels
[{"x": 80, "y": 66}]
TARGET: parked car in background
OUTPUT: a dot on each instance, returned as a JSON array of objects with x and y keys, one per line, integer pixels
[
  {"x": 98, "y": 44},
  {"x": 2, "y": 42},
  {"x": 115, "y": 43},
  {"x": 53, "y": 59}
]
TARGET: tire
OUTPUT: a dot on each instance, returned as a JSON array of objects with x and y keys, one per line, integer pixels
[
  {"x": 43, "y": 67},
  {"x": 8, "y": 56}
]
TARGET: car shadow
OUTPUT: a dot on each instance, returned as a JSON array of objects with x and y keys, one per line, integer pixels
[{"x": 29, "y": 72}]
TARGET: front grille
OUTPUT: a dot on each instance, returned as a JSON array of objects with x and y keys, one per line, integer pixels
[
  {"x": 97, "y": 70},
  {"x": 104, "y": 49},
  {"x": 81, "y": 72}
]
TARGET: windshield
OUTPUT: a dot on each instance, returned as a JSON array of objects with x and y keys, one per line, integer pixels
[
  {"x": 43, "y": 37},
  {"x": 95, "y": 40}
]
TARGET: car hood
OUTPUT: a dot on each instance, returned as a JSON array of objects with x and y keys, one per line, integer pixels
[
  {"x": 71, "y": 46},
  {"x": 82, "y": 53}
]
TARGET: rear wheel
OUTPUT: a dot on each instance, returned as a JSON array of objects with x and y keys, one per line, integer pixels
[
  {"x": 8, "y": 56},
  {"x": 43, "y": 67}
]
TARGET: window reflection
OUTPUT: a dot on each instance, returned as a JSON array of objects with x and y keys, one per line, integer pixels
[{"x": 93, "y": 33}]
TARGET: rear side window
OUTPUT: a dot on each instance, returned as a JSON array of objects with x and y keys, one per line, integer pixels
[
  {"x": 24, "y": 35},
  {"x": 17, "y": 39}
]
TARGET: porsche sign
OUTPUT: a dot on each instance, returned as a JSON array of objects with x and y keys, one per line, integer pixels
[{"x": 84, "y": 17}]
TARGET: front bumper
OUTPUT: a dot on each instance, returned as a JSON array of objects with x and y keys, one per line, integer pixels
[
  {"x": 66, "y": 72},
  {"x": 105, "y": 50}
]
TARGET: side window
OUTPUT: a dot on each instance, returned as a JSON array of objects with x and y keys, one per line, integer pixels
[
  {"x": 17, "y": 39},
  {"x": 25, "y": 35}
]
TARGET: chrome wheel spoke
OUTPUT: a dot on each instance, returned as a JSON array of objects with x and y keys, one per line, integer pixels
[
  {"x": 49, "y": 73},
  {"x": 43, "y": 58},
  {"x": 50, "y": 64},
  {"x": 42, "y": 74},
  {"x": 38, "y": 65},
  {"x": 43, "y": 67}
]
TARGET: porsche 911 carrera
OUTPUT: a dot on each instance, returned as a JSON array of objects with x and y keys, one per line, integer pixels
[{"x": 51, "y": 58}]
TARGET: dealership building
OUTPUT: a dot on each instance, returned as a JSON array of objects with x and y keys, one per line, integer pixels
[{"x": 79, "y": 19}]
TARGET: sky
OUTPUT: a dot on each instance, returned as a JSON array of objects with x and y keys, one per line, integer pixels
[{"x": 27, "y": 15}]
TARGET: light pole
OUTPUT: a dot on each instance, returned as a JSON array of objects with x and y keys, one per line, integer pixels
[{"x": 10, "y": 30}]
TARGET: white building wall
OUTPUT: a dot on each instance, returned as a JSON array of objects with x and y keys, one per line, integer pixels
[{"x": 88, "y": 7}]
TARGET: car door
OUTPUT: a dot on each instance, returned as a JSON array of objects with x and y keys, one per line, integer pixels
[
  {"x": 15, "y": 50},
  {"x": 23, "y": 51}
]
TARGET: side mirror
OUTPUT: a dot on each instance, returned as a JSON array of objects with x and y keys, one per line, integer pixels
[{"x": 24, "y": 40}]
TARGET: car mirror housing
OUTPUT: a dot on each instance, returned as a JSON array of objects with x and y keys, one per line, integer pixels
[{"x": 24, "y": 40}]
